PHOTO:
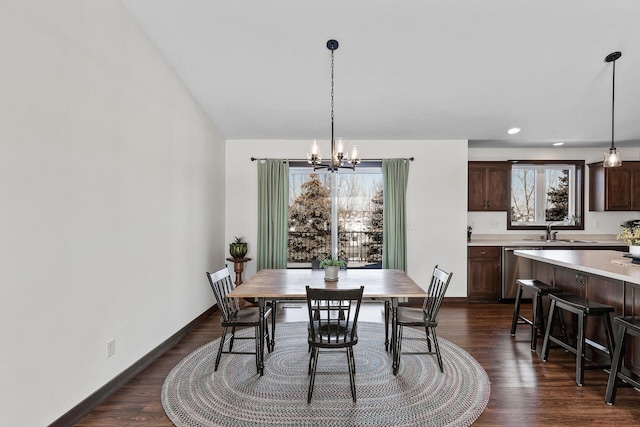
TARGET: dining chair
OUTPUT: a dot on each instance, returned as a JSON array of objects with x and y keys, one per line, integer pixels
[
  {"x": 333, "y": 325},
  {"x": 235, "y": 317},
  {"x": 426, "y": 317}
]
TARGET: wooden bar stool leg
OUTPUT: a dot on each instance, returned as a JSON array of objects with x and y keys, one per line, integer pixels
[
  {"x": 545, "y": 342},
  {"x": 616, "y": 361},
  {"x": 580, "y": 350},
  {"x": 516, "y": 311},
  {"x": 608, "y": 330},
  {"x": 536, "y": 320}
]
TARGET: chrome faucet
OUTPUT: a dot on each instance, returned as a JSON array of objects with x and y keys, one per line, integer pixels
[{"x": 550, "y": 235}]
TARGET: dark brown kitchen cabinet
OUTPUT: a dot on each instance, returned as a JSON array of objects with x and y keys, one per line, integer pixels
[
  {"x": 484, "y": 273},
  {"x": 614, "y": 189},
  {"x": 489, "y": 186}
]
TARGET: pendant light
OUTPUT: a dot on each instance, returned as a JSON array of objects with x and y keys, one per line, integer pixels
[
  {"x": 339, "y": 158},
  {"x": 613, "y": 157}
]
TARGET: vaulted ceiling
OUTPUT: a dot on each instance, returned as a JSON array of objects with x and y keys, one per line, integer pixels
[{"x": 406, "y": 69}]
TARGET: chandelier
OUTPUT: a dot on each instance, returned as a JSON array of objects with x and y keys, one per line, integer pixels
[
  {"x": 339, "y": 157},
  {"x": 613, "y": 157}
]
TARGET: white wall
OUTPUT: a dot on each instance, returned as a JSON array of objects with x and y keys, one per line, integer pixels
[
  {"x": 595, "y": 222},
  {"x": 436, "y": 199},
  {"x": 111, "y": 185}
]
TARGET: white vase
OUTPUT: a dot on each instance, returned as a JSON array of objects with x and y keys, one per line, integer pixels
[
  {"x": 331, "y": 273},
  {"x": 634, "y": 250}
]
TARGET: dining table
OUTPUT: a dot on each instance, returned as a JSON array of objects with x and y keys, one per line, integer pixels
[{"x": 272, "y": 285}]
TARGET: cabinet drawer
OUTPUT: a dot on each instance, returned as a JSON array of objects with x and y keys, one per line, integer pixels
[{"x": 484, "y": 252}]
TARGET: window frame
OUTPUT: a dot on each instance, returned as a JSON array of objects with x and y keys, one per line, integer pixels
[
  {"x": 365, "y": 167},
  {"x": 578, "y": 193}
]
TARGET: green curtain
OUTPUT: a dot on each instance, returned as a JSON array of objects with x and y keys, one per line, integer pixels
[
  {"x": 273, "y": 206},
  {"x": 395, "y": 173}
]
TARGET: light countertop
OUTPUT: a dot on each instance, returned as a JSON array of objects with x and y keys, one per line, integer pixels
[
  {"x": 523, "y": 240},
  {"x": 604, "y": 263}
]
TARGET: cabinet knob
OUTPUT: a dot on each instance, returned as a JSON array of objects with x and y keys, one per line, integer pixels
[{"x": 580, "y": 279}]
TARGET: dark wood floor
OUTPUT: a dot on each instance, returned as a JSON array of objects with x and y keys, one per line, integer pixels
[{"x": 524, "y": 390}]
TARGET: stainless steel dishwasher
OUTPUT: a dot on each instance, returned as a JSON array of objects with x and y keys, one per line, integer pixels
[{"x": 514, "y": 268}]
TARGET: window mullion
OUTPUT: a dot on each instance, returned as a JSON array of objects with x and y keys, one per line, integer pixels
[{"x": 334, "y": 215}]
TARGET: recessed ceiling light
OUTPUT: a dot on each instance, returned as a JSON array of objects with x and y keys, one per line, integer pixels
[
  {"x": 514, "y": 131},
  {"x": 558, "y": 143}
]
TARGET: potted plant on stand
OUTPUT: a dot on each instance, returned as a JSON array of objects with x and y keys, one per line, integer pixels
[
  {"x": 331, "y": 267},
  {"x": 238, "y": 249}
]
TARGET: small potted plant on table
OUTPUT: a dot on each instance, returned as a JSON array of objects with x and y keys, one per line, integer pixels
[{"x": 331, "y": 267}]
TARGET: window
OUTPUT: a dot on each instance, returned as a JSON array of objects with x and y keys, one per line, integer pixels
[
  {"x": 547, "y": 192},
  {"x": 335, "y": 213}
]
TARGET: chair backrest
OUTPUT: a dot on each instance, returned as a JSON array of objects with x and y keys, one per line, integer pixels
[
  {"x": 221, "y": 284},
  {"x": 437, "y": 288},
  {"x": 333, "y": 315}
]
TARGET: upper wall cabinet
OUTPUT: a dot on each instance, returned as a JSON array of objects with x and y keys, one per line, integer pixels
[
  {"x": 489, "y": 184},
  {"x": 614, "y": 189}
]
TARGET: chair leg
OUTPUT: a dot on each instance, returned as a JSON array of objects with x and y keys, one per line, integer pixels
[
  {"x": 314, "y": 358},
  {"x": 398, "y": 344},
  {"x": 616, "y": 361},
  {"x": 545, "y": 342},
  {"x": 233, "y": 335},
  {"x": 222, "y": 338},
  {"x": 437, "y": 348},
  {"x": 269, "y": 344},
  {"x": 258, "y": 341},
  {"x": 426, "y": 331},
  {"x": 516, "y": 311},
  {"x": 352, "y": 372}
]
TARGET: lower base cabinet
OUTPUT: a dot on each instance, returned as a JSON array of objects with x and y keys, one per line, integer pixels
[{"x": 484, "y": 273}]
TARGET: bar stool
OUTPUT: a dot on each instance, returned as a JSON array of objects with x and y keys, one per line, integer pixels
[
  {"x": 539, "y": 289},
  {"x": 626, "y": 325},
  {"x": 583, "y": 308}
]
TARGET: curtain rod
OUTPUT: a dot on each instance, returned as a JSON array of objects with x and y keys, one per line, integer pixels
[{"x": 253, "y": 159}]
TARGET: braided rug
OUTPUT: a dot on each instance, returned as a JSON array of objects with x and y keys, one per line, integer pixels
[{"x": 235, "y": 395}]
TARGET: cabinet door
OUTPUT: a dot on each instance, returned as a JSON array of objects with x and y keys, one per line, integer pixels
[
  {"x": 618, "y": 189},
  {"x": 498, "y": 187},
  {"x": 489, "y": 185},
  {"x": 635, "y": 190},
  {"x": 476, "y": 200},
  {"x": 484, "y": 274}
]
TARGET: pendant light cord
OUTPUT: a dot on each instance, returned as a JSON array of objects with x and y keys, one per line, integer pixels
[{"x": 613, "y": 103}]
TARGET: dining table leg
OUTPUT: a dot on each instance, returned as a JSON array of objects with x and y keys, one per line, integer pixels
[
  {"x": 386, "y": 325},
  {"x": 260, "y": 342},
  {"x": 394, "y": 335},
  {"x": 274, "y": 310}
]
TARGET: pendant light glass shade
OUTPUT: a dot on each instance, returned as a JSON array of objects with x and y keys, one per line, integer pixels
[{"x": 612, "y": 158}]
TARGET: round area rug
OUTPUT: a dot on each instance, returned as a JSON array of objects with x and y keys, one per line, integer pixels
[{"x": 235, "y": 395}]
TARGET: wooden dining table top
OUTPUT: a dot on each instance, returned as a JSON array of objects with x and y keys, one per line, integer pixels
[{"x": 291, "y": 283}]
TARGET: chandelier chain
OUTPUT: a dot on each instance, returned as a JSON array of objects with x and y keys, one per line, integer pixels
[{"x": 332, "y": 87}]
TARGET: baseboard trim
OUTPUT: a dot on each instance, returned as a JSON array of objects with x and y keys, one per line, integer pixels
[{"x": 87, "y": 405}]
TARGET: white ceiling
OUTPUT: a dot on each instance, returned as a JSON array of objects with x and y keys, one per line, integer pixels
[{"x": 406, "y": 69}]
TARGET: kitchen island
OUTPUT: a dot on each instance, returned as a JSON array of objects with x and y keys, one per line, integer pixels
[{"x": 603, "y": 276}]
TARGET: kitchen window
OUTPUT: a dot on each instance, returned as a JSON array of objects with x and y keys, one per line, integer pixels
[{"x": 546, "y": 192}]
